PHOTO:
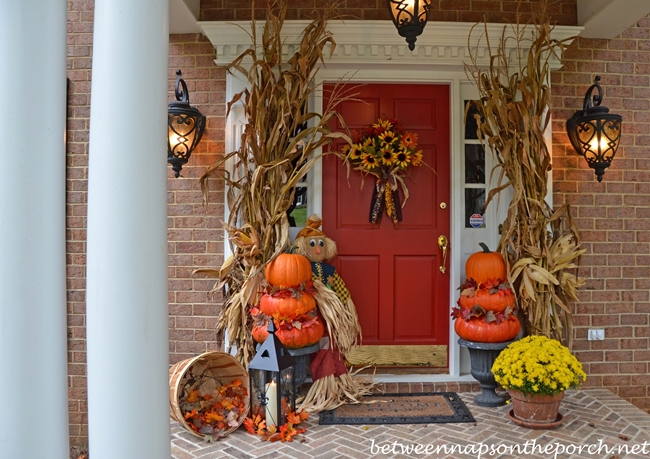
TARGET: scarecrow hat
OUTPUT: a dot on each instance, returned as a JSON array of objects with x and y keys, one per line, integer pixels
[{"x": 312, "y": 229}]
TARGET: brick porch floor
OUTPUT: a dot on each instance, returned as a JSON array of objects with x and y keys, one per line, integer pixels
[{"x": 590, "y": 417}]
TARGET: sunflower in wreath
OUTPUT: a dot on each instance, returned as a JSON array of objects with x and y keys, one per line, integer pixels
[{"x": 387, "y": 152}]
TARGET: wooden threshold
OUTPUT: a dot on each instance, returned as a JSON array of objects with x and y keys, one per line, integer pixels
[
  {"x": 394, "y": 370},
  {"x": 411, "y": 356}
]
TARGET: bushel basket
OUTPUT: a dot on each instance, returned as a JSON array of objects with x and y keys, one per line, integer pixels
[{"x": 215, "y": 368}]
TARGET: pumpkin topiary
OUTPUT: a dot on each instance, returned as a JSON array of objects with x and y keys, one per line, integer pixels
[
  {"x": 286, "y": 307},
  {"x": 478, "y": 330},
  {"x": 310, "y": 332},
  {"x": 486, "y": 265},
  {"x": 496, "y": 302},
  {"x": 288, "y": 269}
]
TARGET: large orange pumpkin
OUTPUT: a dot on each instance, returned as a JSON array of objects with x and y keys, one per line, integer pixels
[
  {"x": 497, "y": 302},
  {"x": 286, "y": 308},
  {"x": 477, "y": 329},
  {"x": 288, "y": 270},
  {"x": 294, "y": 338},
  {"x": 486, "y": 265}
]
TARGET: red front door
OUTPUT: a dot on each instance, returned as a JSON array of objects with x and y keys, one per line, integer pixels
[{"x": 393, "y": 272}]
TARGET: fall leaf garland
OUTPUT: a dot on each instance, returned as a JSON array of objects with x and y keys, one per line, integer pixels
[
  {"x": 493, "y": 287},
  {"x": 305, "y": 288},
  {"x": 257, "y": 426}
]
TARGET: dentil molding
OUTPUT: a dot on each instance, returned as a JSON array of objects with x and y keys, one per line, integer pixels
[{"x": 444, "y": 45}]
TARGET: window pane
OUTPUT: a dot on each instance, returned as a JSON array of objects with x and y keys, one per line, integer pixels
[
  {"x": 470, "y": 122},
  {"x": 474, "y": 204},
  {"x": 474, "y": 164},
  {"x": 297, "y": 213}
]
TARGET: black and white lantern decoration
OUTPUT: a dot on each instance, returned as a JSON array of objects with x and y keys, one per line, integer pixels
[
  {"x": 410, "y": 17},
  {"x": 594, "y": 132},
  {"x": 185, "y": 126},
  {"x": 272, "y": 383}
]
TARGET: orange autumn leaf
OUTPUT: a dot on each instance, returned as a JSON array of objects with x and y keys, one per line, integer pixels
[
  {"x": 490, "y": 284},
  {"x": 261, "y": 428},
  {"x": 227, "y": 405},
  {"x": 211, "y": 416},
  {"x": 236, "y": 383},
  {"x": 293, "y": 418},
  {"x": 287, "y": 432},
  {"x": 193, "y": 395},
  {"x": 304, "y": 415},
  {"x": 249, "y": 425},
  {"x": 191, "y": 414}
]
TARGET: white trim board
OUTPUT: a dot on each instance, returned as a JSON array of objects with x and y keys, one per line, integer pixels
[{"x": 441, "y": 45}]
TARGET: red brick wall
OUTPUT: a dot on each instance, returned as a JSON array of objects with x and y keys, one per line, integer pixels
[
  {"x": 613, "y": 216},
  {"x": 563, "y": 11},
  {"x": 194, "y": 235},
  {"x": 80, "y": 28}
]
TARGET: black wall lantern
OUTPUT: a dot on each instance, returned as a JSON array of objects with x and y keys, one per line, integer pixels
[
  {"x": 185, "y": 125},
  {"x": 410, "y": 17},
  {"x": 272, "y": 382},
  {"x": 594, "y": 132}
]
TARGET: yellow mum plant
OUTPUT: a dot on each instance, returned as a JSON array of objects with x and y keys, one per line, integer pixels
[{"x": 538, "y": 365}]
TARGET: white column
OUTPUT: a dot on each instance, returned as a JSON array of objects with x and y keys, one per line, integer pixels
[
  {"x": 33, "y": 343},
  {"x": 127, "y": 337}
]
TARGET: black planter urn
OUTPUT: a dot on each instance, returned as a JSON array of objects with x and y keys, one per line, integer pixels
[{"x": 482, "y": 357}]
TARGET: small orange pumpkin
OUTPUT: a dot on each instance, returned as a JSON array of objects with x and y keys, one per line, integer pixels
[
  {"x": 497, "y": 302},
  {"x": 477, "y": 329},
  {"x": 286, "y": 308},
  {"x": 294, "y": 338},
  {"x": 486, "y": 265},
  {"x": 288, "y": 270}
]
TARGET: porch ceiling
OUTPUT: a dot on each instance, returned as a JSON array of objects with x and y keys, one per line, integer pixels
[
  {"x": 183, "y": 15},
  {"x": 608, "y": 18}
]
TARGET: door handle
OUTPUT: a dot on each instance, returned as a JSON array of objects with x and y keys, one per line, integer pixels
[{"x": 443, "y": 242}]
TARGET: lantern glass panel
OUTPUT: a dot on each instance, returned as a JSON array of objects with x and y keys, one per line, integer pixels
[
  {"x": 288, "y": 391},
  {"x": 599, "y": 138},
  {"x": 403, "y": 11},
  {"x": 258, "y": 401},
  {"x": 272, "y": 395},
  {"x": 182, "y": 134}
]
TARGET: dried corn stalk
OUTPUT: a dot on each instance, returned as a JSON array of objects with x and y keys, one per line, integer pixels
[
  {"x": 540, "y": 244},
  {"x": 275, "y": 154},
  {"x": 332, "y": 391}
]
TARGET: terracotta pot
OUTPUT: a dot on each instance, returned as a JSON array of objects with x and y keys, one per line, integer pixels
[{"x": 542, "y": 409}]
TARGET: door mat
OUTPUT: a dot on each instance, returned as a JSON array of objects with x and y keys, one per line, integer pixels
[{"x": 423, "y": 408}]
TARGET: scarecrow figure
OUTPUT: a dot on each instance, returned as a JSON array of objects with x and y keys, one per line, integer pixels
[{"x": 333, "y": 385}]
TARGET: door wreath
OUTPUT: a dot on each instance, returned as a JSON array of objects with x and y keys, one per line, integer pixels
[{"x": 387, "y": 152}]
